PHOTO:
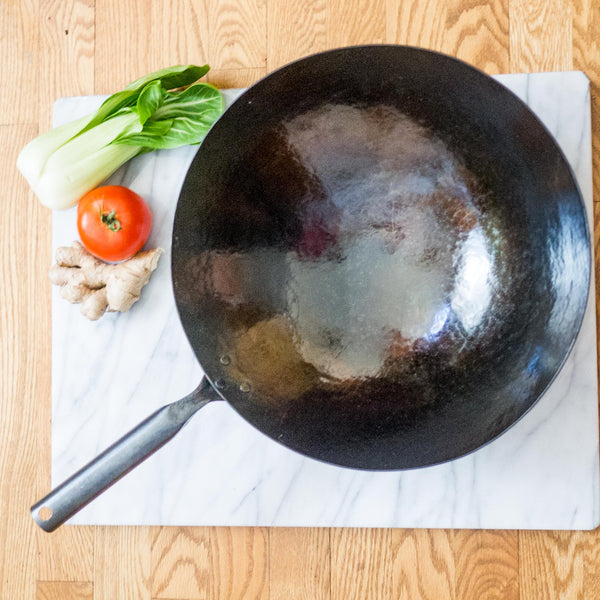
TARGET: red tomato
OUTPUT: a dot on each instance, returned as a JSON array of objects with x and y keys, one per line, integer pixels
[{"x": 113, "y": 222}]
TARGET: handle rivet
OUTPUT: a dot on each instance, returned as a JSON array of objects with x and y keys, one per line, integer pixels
[
  {"x": 220, "y": 384},
  {"x": 225, "y": 360},
  {"x": 244, "y": 387}
]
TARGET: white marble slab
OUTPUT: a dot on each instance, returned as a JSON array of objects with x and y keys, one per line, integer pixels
[{"x": 108, "y": 375}]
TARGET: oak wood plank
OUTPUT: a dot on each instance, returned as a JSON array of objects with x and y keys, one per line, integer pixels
[
  {"x": 541, "y": 35},
  {"x": 416, "y": 23},
  {"x": 487, "y": 565},
  {"x": 300, "y": 563},
  {"x": 423, "y": 565},
  {"x": 65, "y": 590},
  {"x": 67, "y": 69},
  {"x": 473, "y": 30},
  {"x": 240, "y": 563},
  {"x": 235, "y": 78},
  {"x": 478, "y": 32},
  {"x": 237, "y": 34},
  {"x": 551, "y": 565},
  {"x": 591, "y": 565},
  {"x": 181, "y": 563},
  {"x": 19, "y": 56},
  {"x": 356, "y": 22},
  {"x": 586, "y": 57},
  {"x": 67, "y": 554},
  {"x": 303, "y": 26},
  {"x": 181, "y": 33},
  {"x": 67, "y": 36},
  {"x": 136, "y": 38},
  {"x": 124, "y": 39},
  {"x": 122, "y": 566},
  {"x": 25, "y": 378},
  {"x": 361, "y": 564}
]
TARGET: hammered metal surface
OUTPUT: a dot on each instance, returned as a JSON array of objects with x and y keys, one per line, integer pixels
[{"x": 393, "y": 257}]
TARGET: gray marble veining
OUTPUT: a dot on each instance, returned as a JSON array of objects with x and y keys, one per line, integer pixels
[{"x": 110, "y": 374}]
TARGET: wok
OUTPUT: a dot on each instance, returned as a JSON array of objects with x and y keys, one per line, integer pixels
[{"x": 381, "y": 260}]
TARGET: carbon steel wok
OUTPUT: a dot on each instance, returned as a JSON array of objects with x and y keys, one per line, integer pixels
[{"x": 381, "y": 260}]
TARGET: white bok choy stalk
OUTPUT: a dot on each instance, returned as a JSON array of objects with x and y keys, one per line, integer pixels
[{"x": 165, "y": 109}]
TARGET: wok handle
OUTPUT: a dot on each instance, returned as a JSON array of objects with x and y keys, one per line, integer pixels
[{"x": 120, "y": 458}]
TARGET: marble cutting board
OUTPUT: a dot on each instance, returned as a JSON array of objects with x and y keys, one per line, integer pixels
[{"x": 108, "y": 375}]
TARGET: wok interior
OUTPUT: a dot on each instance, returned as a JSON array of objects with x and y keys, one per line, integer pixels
[{"x": 381, "y": 256}]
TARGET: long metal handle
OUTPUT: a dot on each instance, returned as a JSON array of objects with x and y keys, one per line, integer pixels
[{"x": 120, "y": 458}]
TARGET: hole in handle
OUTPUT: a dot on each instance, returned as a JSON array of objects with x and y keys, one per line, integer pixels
[{"x": 45, "y": 513}]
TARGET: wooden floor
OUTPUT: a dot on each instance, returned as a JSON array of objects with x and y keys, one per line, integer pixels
[{"x": 53, "y": 48}]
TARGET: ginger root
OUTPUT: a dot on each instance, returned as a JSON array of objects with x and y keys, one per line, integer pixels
[{"x": 97, "y": 285}]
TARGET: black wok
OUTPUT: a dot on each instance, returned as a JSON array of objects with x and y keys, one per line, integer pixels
[{"x": 381, "y": 260}]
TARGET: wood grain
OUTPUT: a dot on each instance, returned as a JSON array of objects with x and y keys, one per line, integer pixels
[
  {"x": 122, "y": 567},
  {"x": 416, "y": 23},
  {"x": 477, "y": 32},
  {"x": 586, "y": 57},
  {"x": 361, "y": 564},
  {"x": 487, "y": 566},
  {"x": 50, "y": 48},
  {"x": 300, "y": 564},
  {"x": 237, "y": 34},
  {"x": 68, "y": 554},
  {"x": 67, "y": 31},
  {"x": 423, "y": 565},
  {"x": 551, "y": 565},
  {"x": 165, "y": 34},
  {"x": 67, "y": 34},
  {"x": 591, "y": 565},
  {"x": 19, "y": 51},
  {"x": 120, "y": 59},
  {"x": 181, "y": 563},
  {"x": 474, "y": 31},
  {"x": 24, "y": 360},
  {"x": 235, "y": 78},
  {"x": 354, "y": 22},
  {"x": 541, "y": 35},
  {"x": 65, "y": 590},
  {"x": 180, "y": 30},
  {"x": 239, "y": 563},
  {"x": 303, "y": 24}
]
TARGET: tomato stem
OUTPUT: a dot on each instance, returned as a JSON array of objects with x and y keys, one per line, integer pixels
[{"x": 110, "y": 220}]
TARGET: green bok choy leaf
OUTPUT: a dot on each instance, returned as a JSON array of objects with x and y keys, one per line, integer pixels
[{"x": 165, "y": 109}]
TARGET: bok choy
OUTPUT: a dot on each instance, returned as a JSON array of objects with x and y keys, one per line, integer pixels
[{"x": 165, "y": 109}]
